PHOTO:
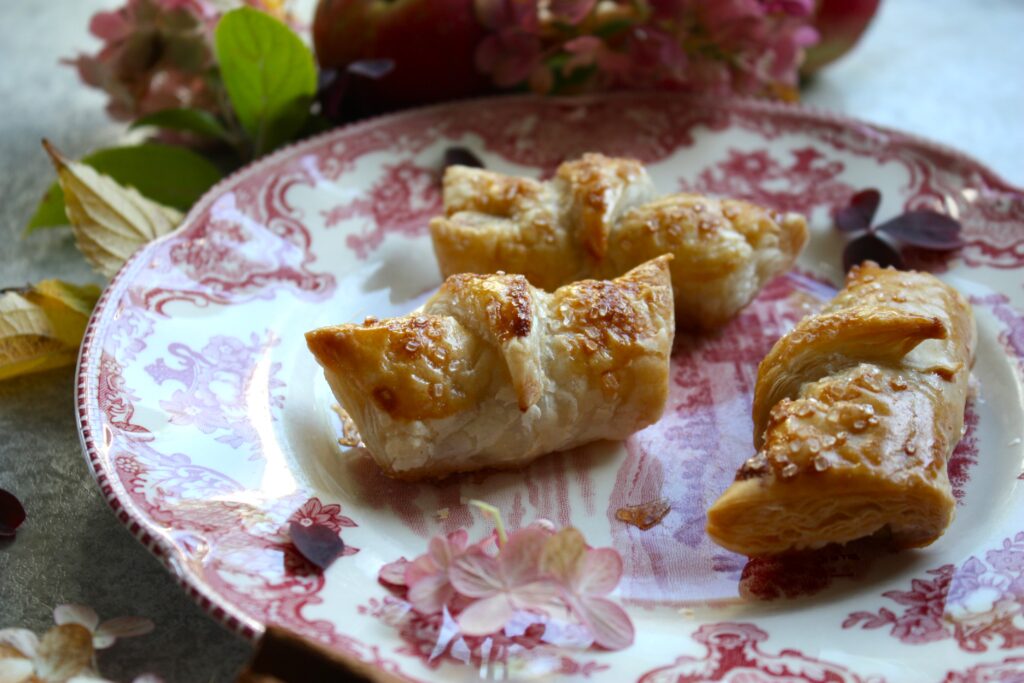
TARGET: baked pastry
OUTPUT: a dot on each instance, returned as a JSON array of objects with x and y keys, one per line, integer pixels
[
  {"x": 492, "y": 372},
  {"x": 599, "y": 217},
  {"x": 856, "y": 412}
]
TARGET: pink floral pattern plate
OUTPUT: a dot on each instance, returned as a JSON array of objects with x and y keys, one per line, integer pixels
[{"x": 210, "y": 428}]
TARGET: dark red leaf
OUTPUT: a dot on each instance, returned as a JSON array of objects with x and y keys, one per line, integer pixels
[
  {"x": 374, "y": 69},
  {"x": 12, "y": 514},
  {"x": 869, "y": 247},
  {"x": 925, "y": 229},
  {"x": 348, "y": 95},
  {"x": 319, "y": 544},
  {"x": 858, "y": 214},
  {"x": 460, "y": 156}
]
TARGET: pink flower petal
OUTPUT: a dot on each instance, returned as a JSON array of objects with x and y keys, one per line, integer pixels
[
  {"x": 600, "y": 573},
  {"x": 538, "y": 595},
  {"x": 520, "y": 556},
  {"x": 608, "y": 623},
  {"x": 571, "y": 11},
  {"x": 394, "y": 572},
  {"x": 21, "y": 639},
  {"x": 420, "y": 568},
  {"x": 443, "y": 550},
  {"x": 83, "y": 615},
  {"x": 109, "y": 26},
  {"x": 486, "y": 616},
  {"x": 476, "y": 575},
  {"x": 430, "y": 594}
]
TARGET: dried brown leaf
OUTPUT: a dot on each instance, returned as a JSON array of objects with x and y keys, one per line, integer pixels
[{"x": 110, "y": 221}]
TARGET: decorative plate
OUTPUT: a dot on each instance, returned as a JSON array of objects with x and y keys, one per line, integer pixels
[{"x": 209, "y": 426}]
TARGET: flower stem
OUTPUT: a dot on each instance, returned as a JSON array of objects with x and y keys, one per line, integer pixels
[{"x": 495, "y": 515}]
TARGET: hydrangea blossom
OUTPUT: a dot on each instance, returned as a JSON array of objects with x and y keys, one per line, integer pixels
[
  {"x": 742, "y": 46},
  {"x": 157, "y": 54},
  {"x": 534, "y": 577}
]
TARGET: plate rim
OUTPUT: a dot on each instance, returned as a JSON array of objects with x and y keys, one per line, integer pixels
[{"x": 151, "y": 535}]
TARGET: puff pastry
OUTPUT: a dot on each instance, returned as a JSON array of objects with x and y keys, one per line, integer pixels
[
  {"x": 493, "y": 372},
  {"x": 599, "y": 217},
  {"x": 856, "y": 412}
]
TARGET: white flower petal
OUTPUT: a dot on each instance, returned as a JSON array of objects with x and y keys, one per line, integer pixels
[
  {"x": 124, "y": 627},
  {"x": 449, "y": 629},
  {"x": 21, "y": 639},
  {"x": 83, "y": 615},
  {"x": 102, "y": 642},
  {"x": 15, "y": 669}
]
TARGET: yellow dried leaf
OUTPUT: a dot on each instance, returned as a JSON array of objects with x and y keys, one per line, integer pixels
[
  {"x": 110, "y": 221},
  {"x": 41, "y": 328}
]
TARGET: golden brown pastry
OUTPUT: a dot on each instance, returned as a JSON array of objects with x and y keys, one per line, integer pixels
[
  {"x": 599, "y": 217},
  {"x": 493, "y": 372},
  {"x": 856, "y": 412}
]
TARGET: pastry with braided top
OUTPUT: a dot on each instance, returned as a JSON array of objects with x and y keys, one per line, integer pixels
[
  {"x": 856, "y": 412},
  {"x": 601, "y": 216},
  {"x": 492, "y": 372}
]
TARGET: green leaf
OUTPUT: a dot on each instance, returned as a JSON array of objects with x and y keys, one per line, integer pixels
[
  {"x": 612, "y": 28},
  {"x": 188, "y": 120},
  {"x": 110, "y": 221},
  {"x": 168, "y": 175},
  {"x": 269, "y": 74},
  {"x": 50, "y": 212}
]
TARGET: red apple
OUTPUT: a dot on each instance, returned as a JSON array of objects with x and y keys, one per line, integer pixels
[
  {"x": 432, "y": 44},
  {"x": 840, "y": 24}
]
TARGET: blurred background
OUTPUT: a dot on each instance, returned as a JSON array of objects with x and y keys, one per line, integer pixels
[{"x": 950, "y": 70}]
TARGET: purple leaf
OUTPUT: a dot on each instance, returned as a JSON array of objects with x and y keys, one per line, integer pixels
[
  {"x": 858, "y": 214},
  {"x": 12, "y": 514},
  {"x": 925, "y": 229},
  {"x": 319, "y": 544},
  {"x": 373, "y": 69},
  {"x": 871, "y": 248},
  {"x": 460, "y": 156}
]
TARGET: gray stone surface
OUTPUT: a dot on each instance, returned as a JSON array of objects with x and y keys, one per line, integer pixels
[{"x": 949, "y": 70}]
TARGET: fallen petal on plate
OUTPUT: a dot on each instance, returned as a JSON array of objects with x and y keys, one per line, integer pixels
[
  {"x": 83, "y": 615},
  {"x": 12, "y": 514},
  {"x": 320, "y": 545},
  {"x": 925, "y": 229},
  {"x": 858, "y": 214},
  {"x": 870, "y": 247}
]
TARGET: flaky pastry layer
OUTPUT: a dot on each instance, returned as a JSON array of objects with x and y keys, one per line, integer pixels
[
  {"x": 493, "y": 372},
  {"x": 601, "y": 216},
  {"x": 856, "y": 412}
]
